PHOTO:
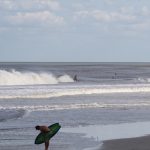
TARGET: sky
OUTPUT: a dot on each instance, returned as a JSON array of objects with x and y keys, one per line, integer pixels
[{"x": 74, "y": 30}]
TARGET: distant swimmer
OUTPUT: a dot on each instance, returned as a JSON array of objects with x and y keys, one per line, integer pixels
[
  {"x": 75, "y": 78},
  {"x": 115, "y": 76}
]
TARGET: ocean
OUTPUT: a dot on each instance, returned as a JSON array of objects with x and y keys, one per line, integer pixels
[{"x": 80, "y": 96}]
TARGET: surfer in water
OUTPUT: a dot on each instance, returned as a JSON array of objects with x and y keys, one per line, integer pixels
[
  {"x": 43, "y": 129},
  {"x": 75, "y": 78}
]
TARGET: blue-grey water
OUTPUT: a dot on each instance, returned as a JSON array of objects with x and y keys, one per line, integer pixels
[{"x": 45, "y": 93}]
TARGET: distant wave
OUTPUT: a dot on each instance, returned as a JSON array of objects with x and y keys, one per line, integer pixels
[
  {"x": 76, "y": 106},
  {"x": 14, "y": 77},
  {"x": 68, "y": 90},
  {"x": 143, "y": 80}
]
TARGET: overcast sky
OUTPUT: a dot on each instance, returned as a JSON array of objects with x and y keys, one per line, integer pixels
[{"x": 75, "y": 30}]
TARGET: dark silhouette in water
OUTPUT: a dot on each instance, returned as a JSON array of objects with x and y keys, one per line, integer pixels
[
  {"x": 115, "y": 76},
  {"x": 75, "y": 78}
]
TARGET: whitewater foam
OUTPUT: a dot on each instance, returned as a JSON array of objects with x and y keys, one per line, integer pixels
[
  {"x": 74, "y": 106},
  {"x": 68, "y": 90},
  {"x": 14, "y": 77},
  {"x": 143, "y": 80}
]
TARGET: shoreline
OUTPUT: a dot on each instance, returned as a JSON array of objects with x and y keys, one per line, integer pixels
[
  {"x": 137, "y": 143},
  {"x": 126, "y": 136}
]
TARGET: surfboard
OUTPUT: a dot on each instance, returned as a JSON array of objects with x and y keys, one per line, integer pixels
[{"x": 42, "y": 137}]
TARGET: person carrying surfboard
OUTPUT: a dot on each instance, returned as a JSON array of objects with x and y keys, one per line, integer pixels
[
  {"x": 44, "y": 129},
  {"x": 46, "y": 134}
]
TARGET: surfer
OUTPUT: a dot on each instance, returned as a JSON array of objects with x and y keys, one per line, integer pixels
[
  {"x": 75, "y": 78},
  {"x": 43, "y": 129}
]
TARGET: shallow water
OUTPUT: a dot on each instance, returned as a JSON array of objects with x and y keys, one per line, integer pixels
[
  {"x": 100, "y": 99},
  {"x": 109, "y": 132}
]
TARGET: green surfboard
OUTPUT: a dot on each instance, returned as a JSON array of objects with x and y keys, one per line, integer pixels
[{"x": 42, "y": 137}]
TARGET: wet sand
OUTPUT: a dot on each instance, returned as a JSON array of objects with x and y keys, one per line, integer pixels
[{"x": 139, "y": 143}]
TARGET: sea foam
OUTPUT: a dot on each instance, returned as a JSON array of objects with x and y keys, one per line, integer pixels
[{"x": 14, "y": 77}]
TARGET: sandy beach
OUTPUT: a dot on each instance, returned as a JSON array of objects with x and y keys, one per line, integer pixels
[{"x": 139, "y": 143}]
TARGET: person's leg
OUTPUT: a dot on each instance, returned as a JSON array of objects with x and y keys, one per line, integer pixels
[{"x": 46, "y": 145}]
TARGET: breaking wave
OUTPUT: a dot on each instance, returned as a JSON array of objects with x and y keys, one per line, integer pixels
[
  {"x": 143, "y": 80},
  {"x": 14, "y": 77},
  {"x": 68, "y": 90},
  {"x": 71, "y": 106}
]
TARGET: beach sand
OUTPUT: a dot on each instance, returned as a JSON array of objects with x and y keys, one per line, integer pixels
[{"x": 139, "y": 143}]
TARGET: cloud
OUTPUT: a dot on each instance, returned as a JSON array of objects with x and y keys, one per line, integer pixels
[
  {"x": 110, "y": 1},
  {"x": 141, "y": 26},
  {"x": 75, "y": 15},
  {"x": 6, "y": 5},
  {"x": 121, "y": 20},
  {"x": 104, "y": 16},
  {"x": 3, "y": 29},
  {"x": 30, "y": 5},
  {"x": 112, "y": 16},
  {"x": 22, "y": 13},
  {"x": 145, "y": 11},
  {"x": 44, "y": 18}
]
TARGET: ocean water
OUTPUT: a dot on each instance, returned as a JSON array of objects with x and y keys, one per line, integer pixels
[{"x": 104, "y": 94}]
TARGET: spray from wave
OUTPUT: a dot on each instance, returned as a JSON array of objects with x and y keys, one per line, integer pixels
[{"x": 14, "y": 77}]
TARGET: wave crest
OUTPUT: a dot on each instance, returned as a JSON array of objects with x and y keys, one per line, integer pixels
[
  {"x": 44, "y": 91},
  {"x": 14, "y": 77}
]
